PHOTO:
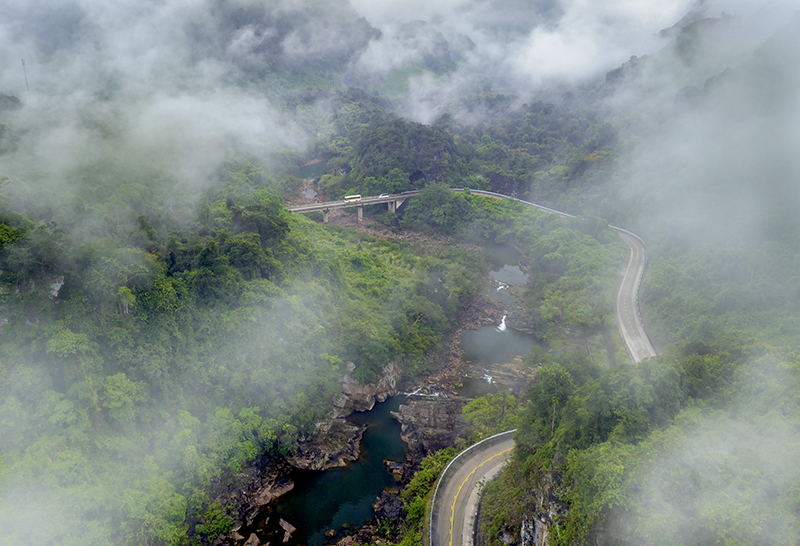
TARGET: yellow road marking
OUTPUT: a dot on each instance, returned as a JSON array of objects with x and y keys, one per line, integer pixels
[{"x": 453, "y": 510}]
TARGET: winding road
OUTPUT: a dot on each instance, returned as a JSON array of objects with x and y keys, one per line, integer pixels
[
  {"x": 456, "y": 502},
  {"x": 627, "y": 313},
  {"x": 455, "y": 499}
]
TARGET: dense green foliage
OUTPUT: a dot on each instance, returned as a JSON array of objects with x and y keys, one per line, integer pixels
[
  {"x": 572, "y": 260},
  {"x": 491, "y": 414},
  {"x": 543, "y": 151},
  {"x": 162, "y": 361},
  {"x": 691, "y": 447},
  {"x": 417, "y": 493},
  {"x": 158, "y": 338}
]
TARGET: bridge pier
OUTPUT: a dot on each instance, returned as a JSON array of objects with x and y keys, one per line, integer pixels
[
  {"x": 395, "y": 204},
  {"x": 325, "y": 216},
  {"x": 360, "y": 213}
]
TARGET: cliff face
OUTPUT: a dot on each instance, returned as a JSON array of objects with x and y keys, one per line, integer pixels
[
  {"x": 333, "y": 443},
  {"x": 431, "y": 424},
  {"x": 256, "y": 488},
  {"x": 534, "y": 524},
  {"x": 358, "y": 397},
  {"x": 534, "y": 531}
]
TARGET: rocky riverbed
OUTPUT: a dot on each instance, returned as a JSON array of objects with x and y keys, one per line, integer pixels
[{"x": 430, "y": 420}]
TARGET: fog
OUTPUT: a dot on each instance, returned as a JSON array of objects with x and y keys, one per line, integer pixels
[
  {"x": 730, "y": 472},
  {"x": 526, "y": 48},
  {"x": 176, "y": 87},
  {"x": 723, "y": 162}
]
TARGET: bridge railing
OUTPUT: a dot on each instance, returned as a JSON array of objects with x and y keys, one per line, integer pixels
[
  {"x": 454, "y": 463},
  {"x": 563, "y": 214}
]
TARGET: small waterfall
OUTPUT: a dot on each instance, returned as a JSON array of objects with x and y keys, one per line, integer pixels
[
  {"x": 487, "y": 377},
  {"x": 502, "y": 326},
  {"x": 418, "y": 393}
]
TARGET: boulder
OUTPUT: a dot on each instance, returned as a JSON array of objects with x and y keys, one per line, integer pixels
[
  {"x": 388, "y": 506},
  {"x": 333, "y": 443},
  {"x": 288, "y": 530},
  {"x": 358, "y": 397},
  {"x": 429, "y": 425},
  {"x": 398, "y": 470}
]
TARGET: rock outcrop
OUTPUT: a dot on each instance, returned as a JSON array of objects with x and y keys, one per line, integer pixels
[
  {"x": 333, "y": 443},
  {"x": 258, "y": 487},
  {"x": 431, "y": 424},
  {"x": 358, "y": 397},
  {"x": 534, "y": 530},
  {"x": 288, "y": 529}
]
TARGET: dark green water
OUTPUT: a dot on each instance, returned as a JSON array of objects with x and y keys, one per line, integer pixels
[
  {"x": 489, "y": 345},
  {"x": 327, "y": 500},
  {"x": 503, "y": 255},
  {"x": 510, "y": 274},
  {"x": 472, "y": 387},
  {"x": 506, "y": 272},
  {"x": 495, "y": 344},
  {"x": 312, "y": 171}
]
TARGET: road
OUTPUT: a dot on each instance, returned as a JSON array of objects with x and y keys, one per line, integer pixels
[
  {"x": 456, "y": 504},
  {"x": 626, "y": 312},
  {"x": 457, "y": 500},
  {"x": 626, "y": 309}
]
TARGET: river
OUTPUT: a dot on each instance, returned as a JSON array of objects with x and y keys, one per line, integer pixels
[
  {"x": 342, "y": 498},
  {"x": 321, "y": 501},
  {"x": 492, "y": 344}
]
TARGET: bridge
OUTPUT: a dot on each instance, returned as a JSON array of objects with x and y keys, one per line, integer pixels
[
  {"x": 396, "y": 200},
  {"x": 627, "y": 312},
  {"x": 453, "y": 510}
]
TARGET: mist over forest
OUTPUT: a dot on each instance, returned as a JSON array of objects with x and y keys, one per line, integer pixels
[{"x": 168, "y": 327}]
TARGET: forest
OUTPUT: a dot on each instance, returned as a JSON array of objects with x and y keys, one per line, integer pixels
[{"x": 166, "y": 324}]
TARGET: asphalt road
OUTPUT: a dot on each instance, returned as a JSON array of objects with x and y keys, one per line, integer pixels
[
  {"x": 626, "y": 312},
  {"x": 457, "y": 501}
]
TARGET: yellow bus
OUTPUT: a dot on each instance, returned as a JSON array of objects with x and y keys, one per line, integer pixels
[{"x": 349, "y": 198}]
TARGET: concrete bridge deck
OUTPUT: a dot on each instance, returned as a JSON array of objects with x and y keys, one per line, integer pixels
[{"x": 396, "y": 200}]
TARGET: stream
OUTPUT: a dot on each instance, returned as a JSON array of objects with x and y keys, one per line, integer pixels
[
  {"x": 340, "y": 499},
  {"x": 495, "y": 344}
]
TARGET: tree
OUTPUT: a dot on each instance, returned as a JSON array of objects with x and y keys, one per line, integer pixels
[{"x": 119, "y": 395}]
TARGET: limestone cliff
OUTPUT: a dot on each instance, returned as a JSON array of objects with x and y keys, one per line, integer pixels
[
  {"x": 536, "y": 524},
  {"x": 250, "y": 491},
  {"x": 358, "y": 397},
  {"x": 431, "y": 424},
  {"x": 333, "y": 443}
]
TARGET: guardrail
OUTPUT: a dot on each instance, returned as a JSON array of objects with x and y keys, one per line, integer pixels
[
  {"x": 444, "y": 473},
  {"x": 411, "y": 193}
]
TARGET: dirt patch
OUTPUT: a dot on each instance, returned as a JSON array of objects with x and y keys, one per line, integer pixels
[
  {"x": 313, "y": 162},
  {"x": 298, "y": 197},
  {"x": 446, "y": 359}
]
